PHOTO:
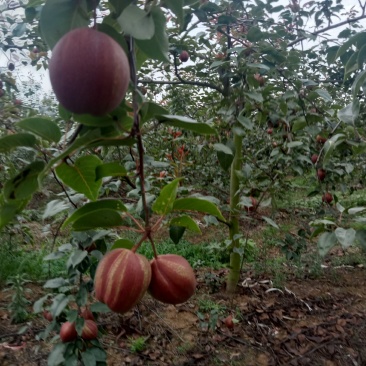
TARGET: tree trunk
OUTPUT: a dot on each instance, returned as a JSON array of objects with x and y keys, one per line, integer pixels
[{"x": 235, "y": 259}]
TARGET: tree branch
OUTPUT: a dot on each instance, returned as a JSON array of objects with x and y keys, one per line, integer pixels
[
  {"x": 182, "y": 82},
  {"x": 196, "y": 83},
  {"x": 348, "y": 21}
]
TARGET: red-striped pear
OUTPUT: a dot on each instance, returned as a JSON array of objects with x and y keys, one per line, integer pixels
[
  {"x": 68, "y": 332},
  {"x": 172, "y": 279},
  {"x": 121, "y": 279},
  {"x": 90, "y": 330},
  {"x": 89, "y": 72}
]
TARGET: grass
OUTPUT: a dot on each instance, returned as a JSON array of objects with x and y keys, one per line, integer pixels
[
  {"x": 202, "y": 255},
  {"x": 29, "y": 263}
]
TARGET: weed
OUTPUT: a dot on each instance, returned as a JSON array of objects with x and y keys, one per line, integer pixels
[
  {"x": 214, "y": 282},
  {"x": 19, "y": 302},
  {"x": 197, "y": 255},
  {"x": 29, "y": 263},
  {"x": 207, "y": 305},
  {"x": 137, "y": 344}
]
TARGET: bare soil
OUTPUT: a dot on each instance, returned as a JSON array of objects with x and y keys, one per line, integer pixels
[{"x": 313, "y": 322}]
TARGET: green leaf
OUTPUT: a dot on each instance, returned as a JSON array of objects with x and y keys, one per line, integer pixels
[
  {"x": 346, "y": 45},
  {"x": 59, "y": 304},
  {"x": 38, "y": 305},
  {"x": 345, "y": 237},
  {"x": 113, "y": 169},
  {"x": 54, "y": 207},
  {"x": 61, "y": 16},
  {"x": 349, "y": 113},
  {"x": 358, "y": 83},
  {"x": 186, "y": 123},
  {"x": 176, "y": 233},
  {"x": 199, "y": 205},
  {"x": 87, "y": 138},
  {"x": 81, "y": 177},
  {"x": 245, "y": 122},
  {"x": 176, "y": 6},
  {"x": 164, "y": 203},
  {"x": 257, "y": 97},
  {"x": 10, "y": 142},
  {"x": 88, "y": 358},
  {"x": 9, "y": 210},
  {"x": 42, "y": 127},
  {"x": 223, "y": 148},
  {"x": 56, "y": 357},
  {"x": 150, "y": 109},
  {"x": 91, "y": 207},
  {"x": 99, "y": 307},
  {"x": 254, "y": 34},
  {"x": 55, "y": 283},
  {"x": 270, "y": 221},
  {"x": 122, "y": 243},
  {"x": 24, "y": 184},
  {"x": 95, "y": 121},
  {"x": 225, "y": 155},
  {"x": 293, "y": 144},
  {"x": 361, "y": 238},
  {"x": 361, "y": 58},
  {"x": 158, "y": 46},
  {"x": 120, "y": 5},
  {"x": 78, "y": 256},
  {"x": 331, "y": 144},
  {"x": 137, "y": 23},
  {"x": 98, "y": 219},
  {"x": 326, "y": 242},
  {"x": 324, "y": 94},
  {"x": 351, "y": 65},
  {"x": 187, "y": 222}
]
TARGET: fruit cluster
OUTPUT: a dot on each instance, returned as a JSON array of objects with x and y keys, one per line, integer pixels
[
  {"x": 123, "y": 277},
  {"x": 89, "y": 332}
]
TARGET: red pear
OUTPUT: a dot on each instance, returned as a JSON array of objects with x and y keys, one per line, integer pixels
[
  {"x": 89, "y": 72},
  {"x": 172, "y": 279}
]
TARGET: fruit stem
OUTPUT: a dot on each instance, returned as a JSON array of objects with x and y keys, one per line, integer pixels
[
  {"x": 136, "y": 132},
  {"x": 137, "y": 245},
  {"x": 153, "y": 245}
]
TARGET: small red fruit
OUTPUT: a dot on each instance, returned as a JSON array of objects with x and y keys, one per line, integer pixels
[
  {"x": 68, "y": 332},
  {"x": 254, "y": 205},
  {"x": 314, "y": 158},
  {"x": 229, "y": 322},
  {"x": 48, "y": 316},
  {"x": 35, "y": 50},
  {"x": 270, "y": 131},
  {"x": 90, "y": 330},
  {"x": 321, "y": 140},
  {"x": 121, "y": 279},
  {"x": 89, "y": 72},
  {"x": 261, "y": 80},
  {"x": 327, "y": 198},
  {"x": 87, "y": 314},
  {"x": 321, "y": 173},
  {"x": 184, "y": 56},
  {"x": 172, "y": 279},
  {"x": 17, "y": 102}
]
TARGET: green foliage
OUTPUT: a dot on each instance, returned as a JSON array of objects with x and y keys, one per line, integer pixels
[
  {"x": 18, "y": 302},
  {"x": 137, "y": 344}
]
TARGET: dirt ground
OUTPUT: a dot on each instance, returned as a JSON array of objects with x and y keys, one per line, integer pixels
[{"x": 307, "y": 322}]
